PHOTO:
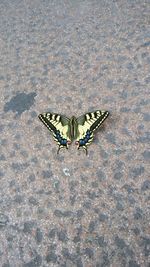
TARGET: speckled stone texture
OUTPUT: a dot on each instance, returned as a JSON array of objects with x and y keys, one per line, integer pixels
[{"x": 70, "y": 209}]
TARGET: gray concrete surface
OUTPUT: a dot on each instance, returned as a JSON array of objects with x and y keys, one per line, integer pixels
[{"x": 71, "y": 209}]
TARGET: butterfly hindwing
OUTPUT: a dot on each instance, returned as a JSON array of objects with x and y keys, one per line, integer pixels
[
  {"x": 87, "y": 124},
  {"x": 59, "y": 126}
]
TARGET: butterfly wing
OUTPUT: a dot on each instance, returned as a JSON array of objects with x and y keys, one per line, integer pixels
[
  {"x": 87, "y": 125},
  {"x": 59, "y": 127}
]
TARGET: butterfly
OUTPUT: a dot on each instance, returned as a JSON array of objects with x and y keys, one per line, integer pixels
[{"x": 81, "y": 129}]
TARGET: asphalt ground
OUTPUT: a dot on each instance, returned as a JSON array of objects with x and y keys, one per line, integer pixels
[{"x": 71, "y": 57}]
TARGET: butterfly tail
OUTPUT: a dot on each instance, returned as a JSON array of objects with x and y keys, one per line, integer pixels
[
  {"x": 85, "y": 148},
  {"x": 60, "y": 147}
]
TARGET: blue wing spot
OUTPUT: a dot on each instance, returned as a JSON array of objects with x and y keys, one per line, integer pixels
[
  {"x": 88, "y": 133},
  {"x": 81, "y": 142},
  {"x": 87, "y": 136},
  {"x": 63, "y": 141},
  {"x": 58, "y": 133},
  {"x": 58, "y": 136}
]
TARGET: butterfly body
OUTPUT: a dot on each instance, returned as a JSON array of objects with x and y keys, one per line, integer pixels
[
  {"x": 73, "y": 125},
  {"x": 81, "y": 129}
]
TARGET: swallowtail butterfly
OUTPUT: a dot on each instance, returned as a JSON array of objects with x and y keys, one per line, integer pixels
[{"x": 80, "y": 129}]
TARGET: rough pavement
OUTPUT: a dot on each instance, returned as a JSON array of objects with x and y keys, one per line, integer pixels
[{"x": 70, "y": 209}]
